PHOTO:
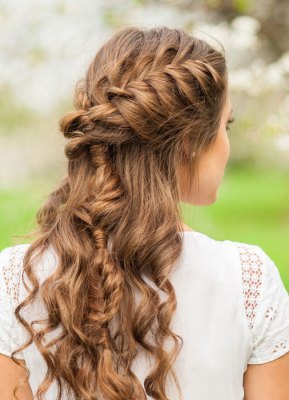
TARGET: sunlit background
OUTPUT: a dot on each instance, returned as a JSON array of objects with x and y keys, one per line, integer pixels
[{"x": 45, "y": 46}]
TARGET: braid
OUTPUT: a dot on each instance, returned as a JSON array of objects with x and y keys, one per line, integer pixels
[
  {"x": 114, "y": 220},
  {"x": 147, "y": 96}
]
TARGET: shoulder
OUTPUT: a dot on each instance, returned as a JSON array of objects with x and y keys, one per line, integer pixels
[
  {"x": 12, "y": 292},
  {"x": 250, "y": 261},
  {"x": 229, "y": 251},
  {"x": 225, "y": 261},
  {"x": 12, "y": 253},
  {"x": 264, "y": 297},
  {"x": 12, "y": 256},
  {"x": 10, "y": 273},
  {"x": 11, "y": 262},
  {"x": 243, "y": 266}
]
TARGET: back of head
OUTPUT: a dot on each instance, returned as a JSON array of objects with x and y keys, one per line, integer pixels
[{"x": 145, "y": 92}]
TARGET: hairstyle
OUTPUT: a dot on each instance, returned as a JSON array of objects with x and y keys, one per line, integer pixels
[{"x": 148, "y": 100}]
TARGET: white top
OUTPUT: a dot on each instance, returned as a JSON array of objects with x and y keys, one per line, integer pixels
[{"x": 232, "y": 310}]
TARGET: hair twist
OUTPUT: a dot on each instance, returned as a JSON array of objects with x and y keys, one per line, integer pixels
[{"x": 149, "y": 98}]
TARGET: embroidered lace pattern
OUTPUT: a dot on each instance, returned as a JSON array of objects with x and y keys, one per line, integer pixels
[
  {"x": 251, "y": 265},
  {"x": 12, "y": 273},
  {"x": 276, "y": 340}
]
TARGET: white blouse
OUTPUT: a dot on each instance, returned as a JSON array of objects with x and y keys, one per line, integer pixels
[{"x": 232, "y": 310}]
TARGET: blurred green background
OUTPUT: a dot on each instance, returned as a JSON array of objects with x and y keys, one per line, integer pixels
[{"x": 49, "y": 50}]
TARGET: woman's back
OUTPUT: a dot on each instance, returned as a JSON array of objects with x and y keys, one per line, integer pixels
[
  {"x": 232, "y": 310},
  {"x": 149, "y": 130}
]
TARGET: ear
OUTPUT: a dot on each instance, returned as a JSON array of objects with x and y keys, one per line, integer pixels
[
  {"x": 187, "y": 150},
  {"x": 186, "y": 147}
]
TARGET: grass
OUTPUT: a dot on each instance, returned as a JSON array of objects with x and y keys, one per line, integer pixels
[
  {"x": 252, "y": 207},
  {"x": 18, "y": 207}
]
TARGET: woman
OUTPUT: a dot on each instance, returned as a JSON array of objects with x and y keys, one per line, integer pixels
[{"x": 116, "y": 295}]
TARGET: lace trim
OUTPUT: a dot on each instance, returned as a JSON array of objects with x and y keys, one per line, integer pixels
[
  {"x": 11, "y": 274},
  {"x": 271, "y": 313},
  {"x": 279, "y": 345},
  {"x": 251, "y": 265}
]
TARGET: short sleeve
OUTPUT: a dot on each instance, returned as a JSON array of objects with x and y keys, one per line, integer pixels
[
  {"x": 10, "y": 268},
  {"x": 266, "y": 303}
]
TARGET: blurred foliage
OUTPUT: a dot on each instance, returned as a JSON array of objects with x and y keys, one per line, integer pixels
[
  {"x": 36, "y": 55},
  {"x": 272, "y": 14},
  {"x": 60, "y": 7},
  {"x": 243, "y": 6},
  {"x": 139, "y": 2},
  {"x": 235, "y": 6},
  {"x": 111, "y": 18},
  {"x": 13, "y": 114}
]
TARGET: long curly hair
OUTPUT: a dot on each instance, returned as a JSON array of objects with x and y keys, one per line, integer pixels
[{"x": 150, "y": 98}]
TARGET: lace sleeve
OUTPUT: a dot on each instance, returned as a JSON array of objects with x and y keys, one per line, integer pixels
[
  {"x": 266, "y": 303},
  {"x": 10, "y": 272}
]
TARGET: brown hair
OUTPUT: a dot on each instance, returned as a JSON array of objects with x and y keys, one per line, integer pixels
[{"x": 115, "y": 219}]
